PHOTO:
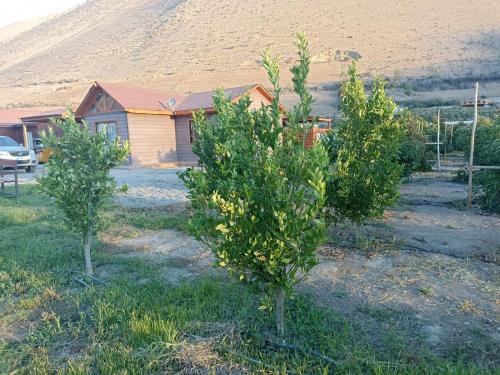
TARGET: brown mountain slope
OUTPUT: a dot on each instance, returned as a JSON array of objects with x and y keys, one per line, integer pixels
[
  {"x": 15, "y": 29},
  {"x": 198, "y": 44}
]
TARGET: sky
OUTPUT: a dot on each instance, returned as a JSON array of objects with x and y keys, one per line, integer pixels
[{"x": 19, "y": 10}]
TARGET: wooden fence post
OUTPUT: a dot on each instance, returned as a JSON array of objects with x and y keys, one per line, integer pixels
[
  {"x": 438, "y": 151},
  {"x": 445, "y": 140},
  {"x": 471, "y": 156}
]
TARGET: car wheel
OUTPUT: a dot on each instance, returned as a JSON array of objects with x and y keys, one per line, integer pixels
[{"x": 30, "y": 169}]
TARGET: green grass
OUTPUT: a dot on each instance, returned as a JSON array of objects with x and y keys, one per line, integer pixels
[
  {"x": 139, "y": 324},
  {"x": 426, "y": 291}
]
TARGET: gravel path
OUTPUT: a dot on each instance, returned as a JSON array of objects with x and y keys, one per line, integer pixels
[{"x": 147, "y": 187}]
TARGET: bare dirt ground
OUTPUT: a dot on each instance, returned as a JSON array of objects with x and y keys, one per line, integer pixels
[{"x": 424, "y": 277}]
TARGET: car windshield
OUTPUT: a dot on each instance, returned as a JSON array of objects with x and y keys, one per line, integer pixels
[{"x": 6, "y": 141}]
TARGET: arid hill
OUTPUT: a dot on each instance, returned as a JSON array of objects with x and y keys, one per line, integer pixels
[
  {"x": 14, "y": 29},
  {"x": 198, "y": 44}
]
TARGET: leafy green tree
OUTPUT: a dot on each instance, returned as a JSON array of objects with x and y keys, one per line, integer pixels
[
  {"x": 412, "y": 150},
  {"x": 461, "y": 137},
  {"x": 78, "y": 176},
  {"x": 411, "y": 156},
  {"x": 257, "y": 199},
  {"x": 366, "y": 172},
  {"x": 486, "y": 186}
]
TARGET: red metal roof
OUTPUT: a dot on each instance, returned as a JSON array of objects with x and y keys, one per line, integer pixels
[
  {"x": 140, "y": 98},
  {"x": 44, "y": 116},
  {"x": 13, "y": 116},
  {"x": 204, "y": 100}
]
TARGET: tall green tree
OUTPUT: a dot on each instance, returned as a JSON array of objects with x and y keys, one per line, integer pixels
[
  {"x": 78, "y": 176},
  {"x": 366, "y": 173},
  {"x": 257, "y": 199}
]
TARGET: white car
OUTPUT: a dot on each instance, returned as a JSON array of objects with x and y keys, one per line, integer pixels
[{"x": 25, "y": 158}]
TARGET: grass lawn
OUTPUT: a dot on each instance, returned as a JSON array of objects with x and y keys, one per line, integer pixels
[{"x": 140, "y": 324}]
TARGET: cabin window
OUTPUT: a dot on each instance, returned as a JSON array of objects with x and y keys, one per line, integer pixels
[
  {"x": 192, "y": 132},
  {"x": 109, "y": 128}
]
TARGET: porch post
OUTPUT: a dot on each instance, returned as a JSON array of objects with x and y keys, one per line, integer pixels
[{"x": 25, "y": 135}]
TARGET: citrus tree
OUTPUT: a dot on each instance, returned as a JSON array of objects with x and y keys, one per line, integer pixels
[
  {"x": 78, "y": 176},
  {"x": 366, "y": 173},
  {"x": 257, "y": 199}
]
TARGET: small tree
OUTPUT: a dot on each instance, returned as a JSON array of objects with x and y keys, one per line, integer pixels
[
  {"x": 257, "y": 199},
  {"x": 366, "y": 173},
  {"x": 487, "y": 152},
  {"x": 78, "y": 176},
  {"x": 412, "y": 152}
]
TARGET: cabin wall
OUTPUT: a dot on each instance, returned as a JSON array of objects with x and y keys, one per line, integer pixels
[
  {"x": 14, "y": 132},
  {"x": 37, "y": 128},
  {"x": 152, "y": 138},
  {"x": 120, "y": 118},
  {"x": 257, "y": 99},
  {"x": 184, "y": 146}
]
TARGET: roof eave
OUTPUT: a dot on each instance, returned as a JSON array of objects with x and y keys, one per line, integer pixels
[{"x": 149, "y": 111}]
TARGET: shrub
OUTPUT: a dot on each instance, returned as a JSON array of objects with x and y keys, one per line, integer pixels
[
  {"x": 461, "y": 137},
  {"x": 78, "y": 176},
  {"x": 487, "y": 152},
  {"x": 332, "y": 143},
  {"x": 411, "y": 156},
  {"x": 412, "y": 151},
  {"x": 366, "y": 173},
  {"x": 257, "y": 199}
]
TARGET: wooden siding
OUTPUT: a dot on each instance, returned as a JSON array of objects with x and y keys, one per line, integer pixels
[
  {"x": 120, "y": 118},
  {"x": 313, "y": 135},
  {"x": 37, "y": 128},
  {"x": 152, "y": 138},
  {"x": 257, "y": 99},
  {"x": 16, "y": 133},
  {"x": 184, "y": 146}
]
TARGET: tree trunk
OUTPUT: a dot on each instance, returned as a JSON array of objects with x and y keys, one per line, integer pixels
[
  {"x": 357, "y": 232},
  {"x": 87, "y": 243},
  {"x": 280, "y": 310}
]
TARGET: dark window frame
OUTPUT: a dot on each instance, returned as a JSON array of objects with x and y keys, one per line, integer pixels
[{"x": 192, "y": 133}]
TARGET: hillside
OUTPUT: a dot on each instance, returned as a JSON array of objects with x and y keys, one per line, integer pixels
[
  {"x": 13, "y": 30},
  {"x": 198, "y": 44}
]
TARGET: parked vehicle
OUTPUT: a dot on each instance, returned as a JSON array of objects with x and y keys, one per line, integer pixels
[{"x": 26, "y": 159}]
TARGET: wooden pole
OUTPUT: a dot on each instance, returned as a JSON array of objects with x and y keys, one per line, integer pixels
[
  {"x": 438, "y": 151},
  {"x": 445, "y": 140},
  {"x": 25, "y": 136},
  {"x": 451, "y": 136},
  {"x": 16, "y": 182},
  {"x": 471, "y": 156}
]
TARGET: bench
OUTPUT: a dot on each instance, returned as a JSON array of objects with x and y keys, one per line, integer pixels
[{"x": 6, "y": 163}]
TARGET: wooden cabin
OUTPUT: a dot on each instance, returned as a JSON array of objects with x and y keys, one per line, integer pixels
[
  {"x": 34, "y": 125},
  {"x": 158, "y": 124},
  {"x": 11, "y": 124}
]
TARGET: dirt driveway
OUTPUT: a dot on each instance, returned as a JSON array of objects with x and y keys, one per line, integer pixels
[{"x": 425, "y": 276}]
